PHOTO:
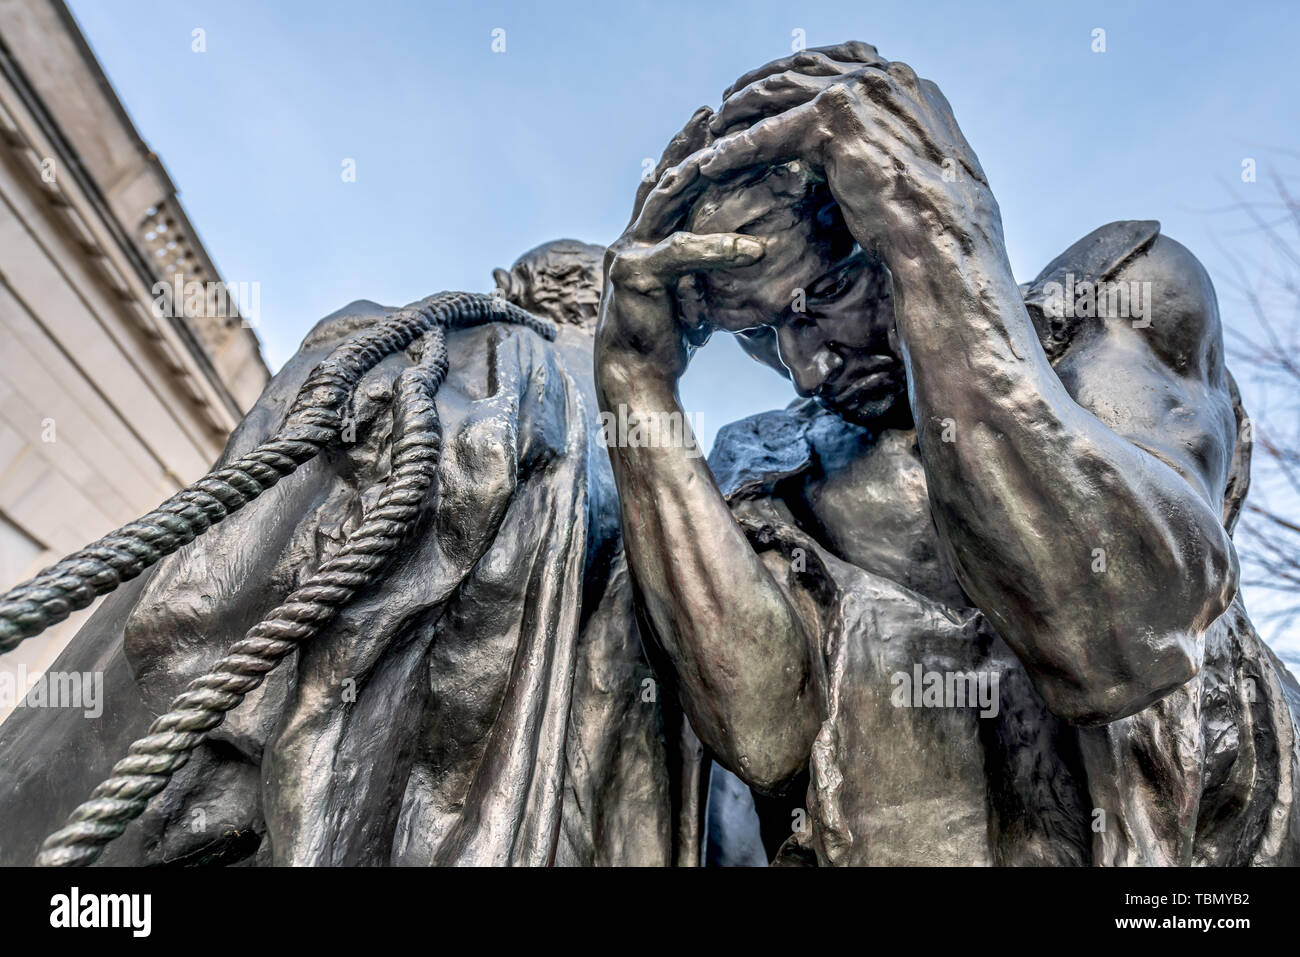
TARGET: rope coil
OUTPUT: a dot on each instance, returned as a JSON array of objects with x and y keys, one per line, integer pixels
[{"x": 313, "y": 422}]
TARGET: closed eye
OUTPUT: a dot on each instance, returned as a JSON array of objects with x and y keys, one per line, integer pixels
[{"x": 831, "y": 287}]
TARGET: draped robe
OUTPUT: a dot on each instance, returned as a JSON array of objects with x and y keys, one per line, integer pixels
[{"x": 487, "y": 702}]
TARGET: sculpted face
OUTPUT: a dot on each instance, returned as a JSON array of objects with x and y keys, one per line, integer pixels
[
  {"x": 560, "y": 280},
  {"x": 840, "y": 348}
]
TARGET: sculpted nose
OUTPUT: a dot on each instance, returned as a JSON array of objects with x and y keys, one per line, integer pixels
[
  {"x": 816, "y": 372},
  {"x": 811, "y": 364}
]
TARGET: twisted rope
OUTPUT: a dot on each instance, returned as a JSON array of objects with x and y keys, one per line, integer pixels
[
  {"x": 314, "y": 421},
  {"x": 153, "y": 759}
]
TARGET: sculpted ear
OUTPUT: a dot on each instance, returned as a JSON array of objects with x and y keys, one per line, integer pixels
[{"x": 503, "y": 281}]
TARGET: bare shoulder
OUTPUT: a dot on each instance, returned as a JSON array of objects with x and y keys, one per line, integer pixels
[{"x": 1130, "y": 320}]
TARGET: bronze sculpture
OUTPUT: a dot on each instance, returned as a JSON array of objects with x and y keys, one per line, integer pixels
[
  {"x": 972, "y": 599},
  {"x": 484, "y": 701},
  {"x": 971, "y": 486}
]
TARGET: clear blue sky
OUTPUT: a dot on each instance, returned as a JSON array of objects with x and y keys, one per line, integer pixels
[{"x": 465, "y": 158}]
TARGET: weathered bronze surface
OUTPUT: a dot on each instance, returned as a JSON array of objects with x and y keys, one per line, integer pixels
[
  {"x": 980, "y": 481},
  {"x": 972, "y": 599}
]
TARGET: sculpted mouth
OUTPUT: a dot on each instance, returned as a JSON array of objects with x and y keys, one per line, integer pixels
[{"x": 867, "y": 379}]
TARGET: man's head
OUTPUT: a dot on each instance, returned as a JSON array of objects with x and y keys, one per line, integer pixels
[
  {"x": 559, "y": 280},
  {"x": 816, "y": 307}
]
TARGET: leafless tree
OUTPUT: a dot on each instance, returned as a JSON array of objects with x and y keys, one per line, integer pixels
[{"x": 1263, "y": 290}]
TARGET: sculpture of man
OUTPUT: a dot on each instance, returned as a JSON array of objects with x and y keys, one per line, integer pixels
[
  {"x": 973, "y": 599},
  {"x": 1013, "y": 494},
  {"x": 487, "y": 702}
]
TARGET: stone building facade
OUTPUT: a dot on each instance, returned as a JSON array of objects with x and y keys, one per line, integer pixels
[{"x": 111, "y": 397}]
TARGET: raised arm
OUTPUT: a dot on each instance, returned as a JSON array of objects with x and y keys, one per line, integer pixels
[
  {"x": 737, "y": 646},
  {"x": 1086, "y": 526}
]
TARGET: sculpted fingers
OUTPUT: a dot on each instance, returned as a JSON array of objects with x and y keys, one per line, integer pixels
[
  {"x": 668, "y": 202},
  {"x": 854, "y": 51},
  {"x": 685, "y": 252},
  {"x": 655, "y": 269},
  {"x": 794, "y": 134},
  {"x": 807, "y": 61},
  {"x": 904, "y": 75},
  {"x": 767, "y": 97},
  {"x": 886, "y": 101},
  {"x": 693, "y": 136},
  {"x": 821, "y": 61},
  {"x": 638, "y": 316}
]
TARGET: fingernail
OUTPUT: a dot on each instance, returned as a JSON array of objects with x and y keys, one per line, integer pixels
[{"x": 748, "y": 246}]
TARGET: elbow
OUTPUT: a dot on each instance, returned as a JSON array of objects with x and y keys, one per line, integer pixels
[
  {"x": 770, "y": 757},
  {"x": 770, "y": 773},
  {"x": 1194, "y": 581},
  {"x": 1147, "y": 665},
  {"x": 1214, "y": 593},
  {"x": 1162, "y": 649},
  {"x": 1103, "y": 703}
]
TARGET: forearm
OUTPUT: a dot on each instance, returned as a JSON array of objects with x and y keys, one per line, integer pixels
[
  {"x": 736, "y": 644},
  {"x": 1099, "y": 564}
]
